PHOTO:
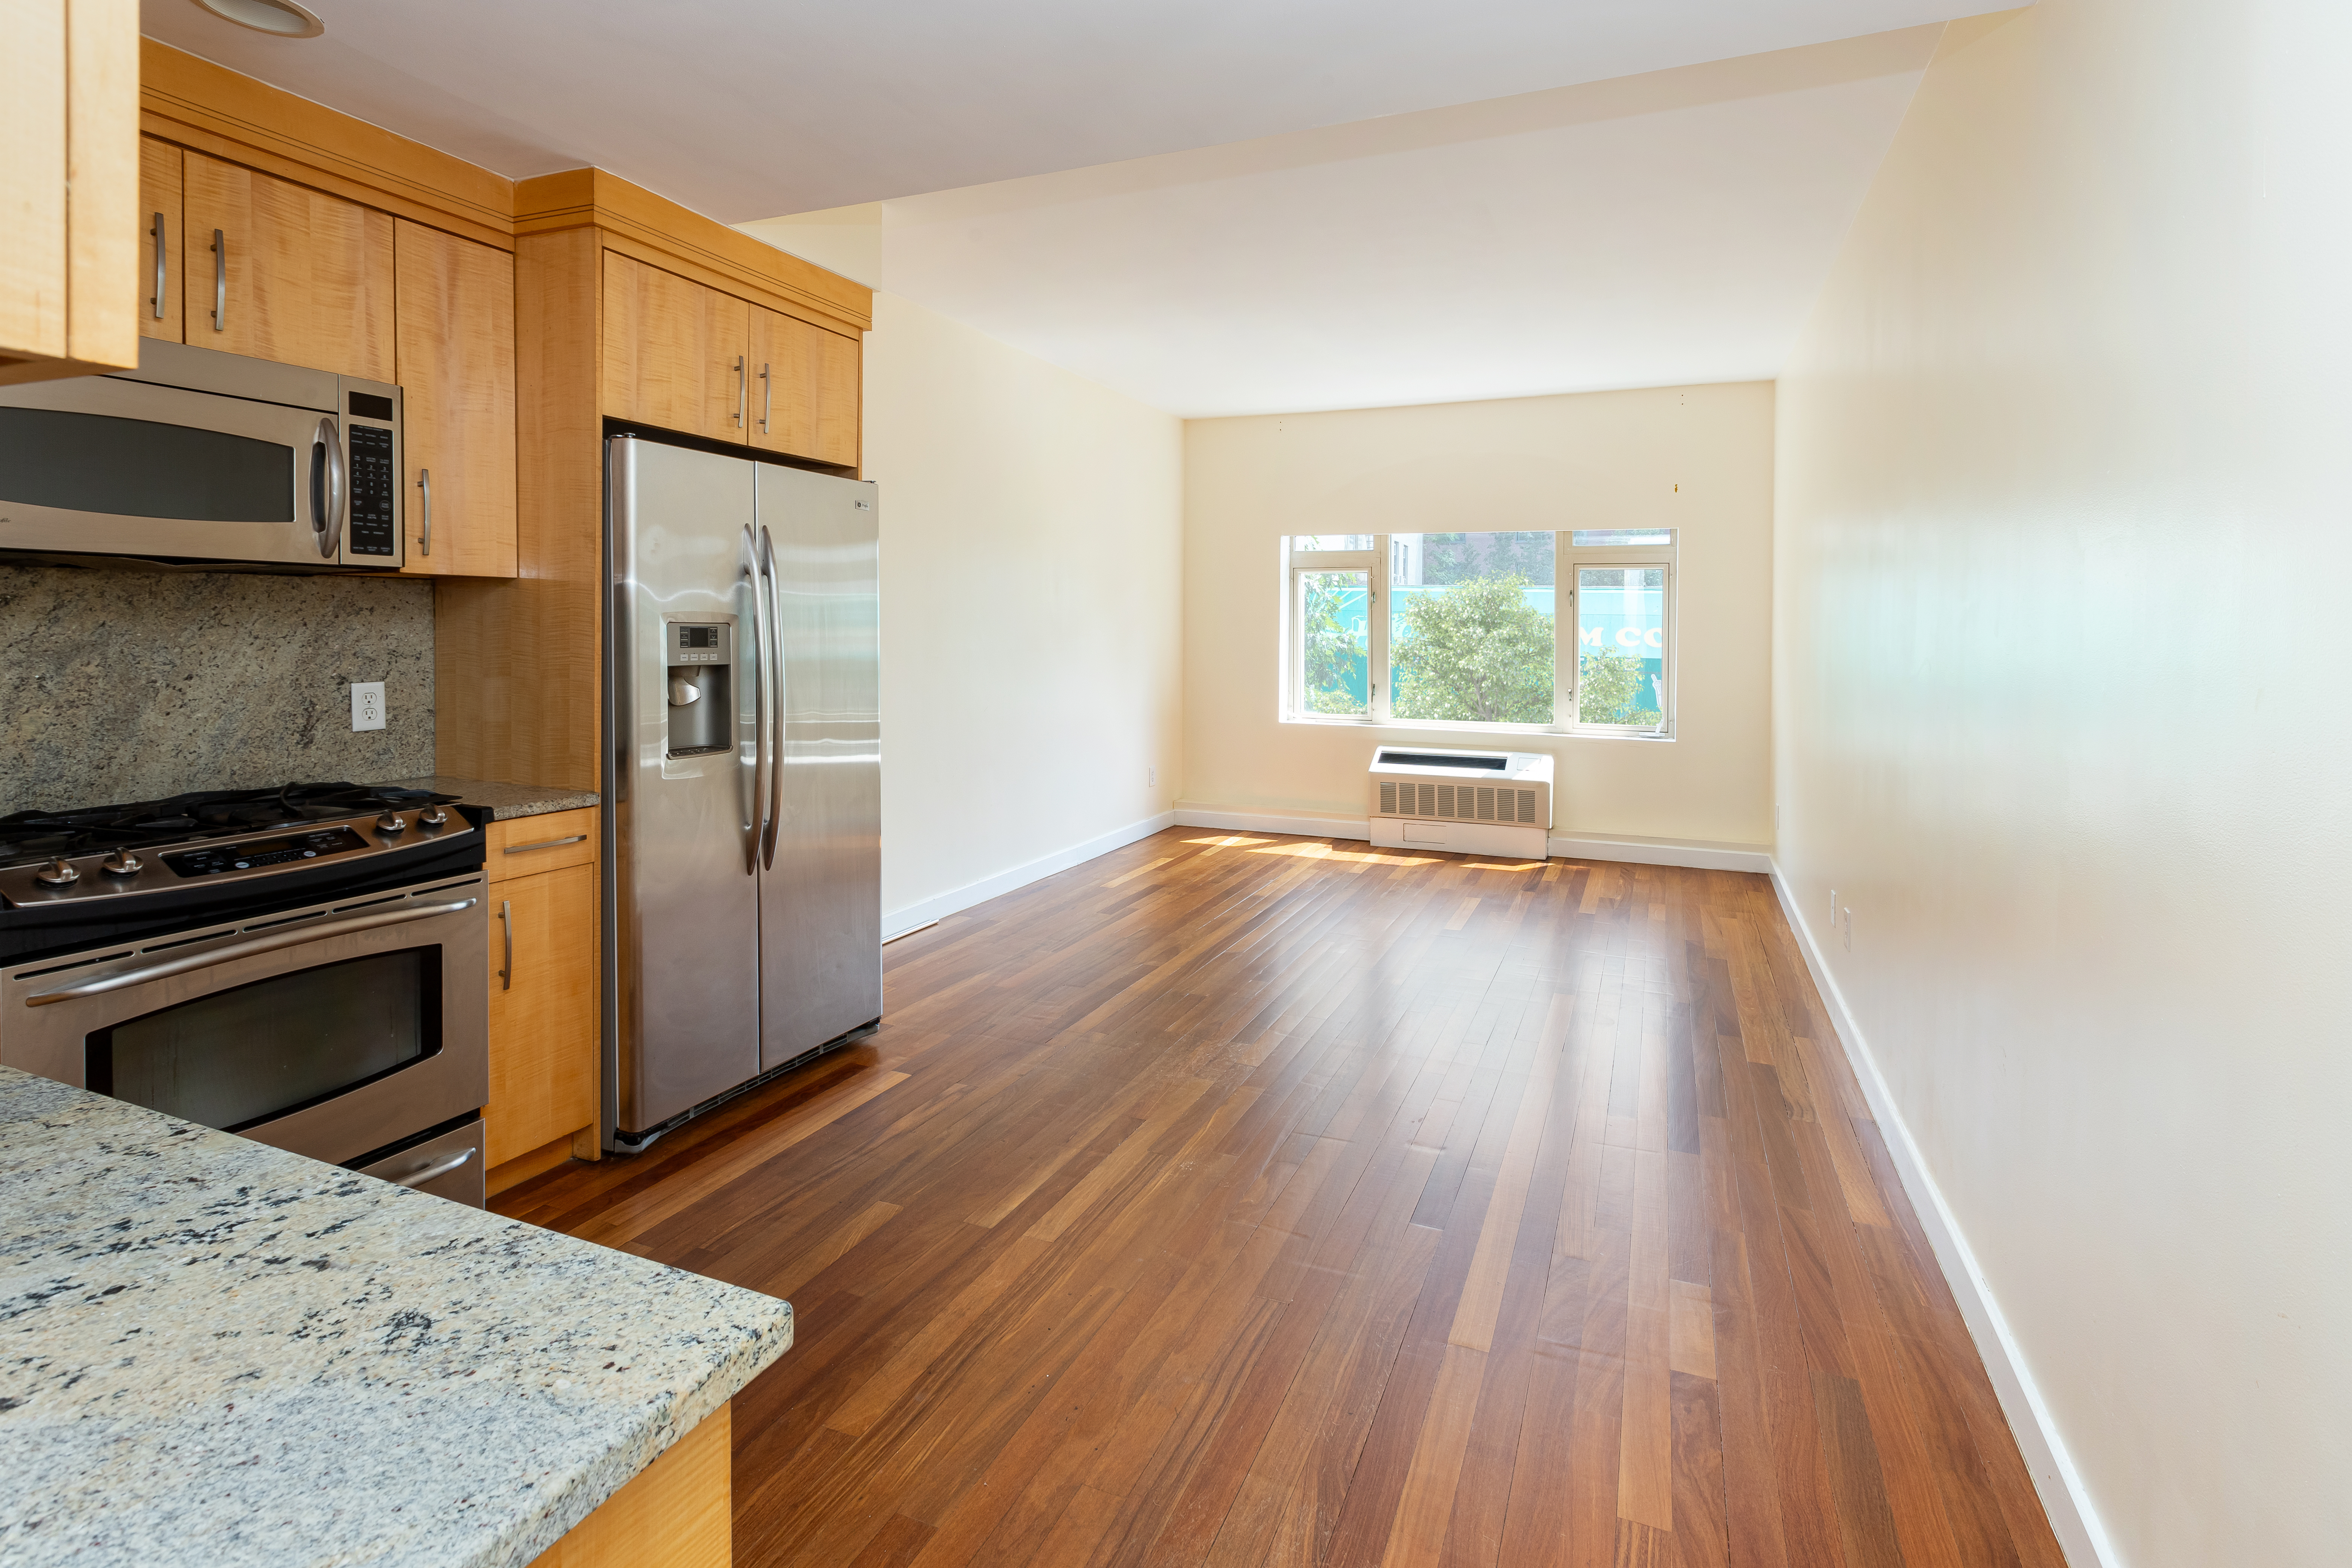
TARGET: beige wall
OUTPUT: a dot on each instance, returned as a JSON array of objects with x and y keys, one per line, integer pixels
[
  {"x": 1030, "y": 571},
  {"x": 2063, "y": 544},
  {"x": 1606, "y": 459}
]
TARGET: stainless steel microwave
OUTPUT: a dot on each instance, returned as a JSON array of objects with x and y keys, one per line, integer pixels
[{"x": 204, "y": 456}]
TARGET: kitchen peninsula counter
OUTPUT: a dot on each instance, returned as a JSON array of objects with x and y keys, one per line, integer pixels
[{"x": 213, "y": 1352}]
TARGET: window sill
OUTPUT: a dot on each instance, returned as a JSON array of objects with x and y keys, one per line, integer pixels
[{"x": 1440, "y": 727}]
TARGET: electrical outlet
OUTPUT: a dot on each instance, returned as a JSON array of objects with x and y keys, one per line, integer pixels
[
  {"x": 367, "y": 704},
  {"x": 1848, "y": 925},
  {"x": 1151, "y": 778}
]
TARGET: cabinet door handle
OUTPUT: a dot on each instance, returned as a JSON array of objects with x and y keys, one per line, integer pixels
[
  {"x": 767, "y": 395},
  {"x": 220, "y": 281},
  {"x": 425, "y": 483},
  {"x": 742, "y": 390},
  {"x": 506, "y": 919},
  {"x": 158, "y": 232},
  {"x": 545, "y": 844}
]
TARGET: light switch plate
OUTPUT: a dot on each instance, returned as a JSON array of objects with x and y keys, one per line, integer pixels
[{"x": 367, "y": 704}]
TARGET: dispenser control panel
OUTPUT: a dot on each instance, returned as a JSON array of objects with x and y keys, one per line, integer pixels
[
  {"x": 698, "y": 645},
  {"x": 698, "y": 686}
]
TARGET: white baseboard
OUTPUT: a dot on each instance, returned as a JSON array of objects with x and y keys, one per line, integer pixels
[
  {"x": 1309, "y": 824},
  {"x": 899, "y": 922},
  {"x": 1696, "y": 854},
  {"x": 2073, "y": 1515}
]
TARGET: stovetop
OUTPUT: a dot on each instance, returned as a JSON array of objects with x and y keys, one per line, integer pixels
[{"x": 30, "y": 837}]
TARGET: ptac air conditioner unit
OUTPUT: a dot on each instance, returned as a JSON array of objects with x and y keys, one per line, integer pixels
[{"x": 1466, "y": 803}]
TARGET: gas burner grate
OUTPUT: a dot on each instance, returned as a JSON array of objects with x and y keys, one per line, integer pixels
[{"x": 30, "y": 836}]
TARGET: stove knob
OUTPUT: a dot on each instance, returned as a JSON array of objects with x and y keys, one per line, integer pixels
[
  {"x": 434, "y": 817},
  {"x": 122, "y": 863},
  {"x": 57, "y": 874},
  {"x": 390, "y": 823}
]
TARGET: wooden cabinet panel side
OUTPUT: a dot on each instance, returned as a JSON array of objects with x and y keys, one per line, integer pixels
[{"x": 518, "y": 662}]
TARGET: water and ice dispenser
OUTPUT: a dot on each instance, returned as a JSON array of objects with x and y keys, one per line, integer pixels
[{"x": 701, "y": 660}]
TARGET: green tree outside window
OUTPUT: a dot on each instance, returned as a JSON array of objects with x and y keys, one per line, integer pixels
[
  {"x": 1336, "y": 652},
  {"x": 1477, "y": 652},
  {"x": 1613, "y": 688}
]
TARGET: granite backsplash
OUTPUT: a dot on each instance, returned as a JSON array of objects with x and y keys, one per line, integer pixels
[{"x": 121, "y": 684}]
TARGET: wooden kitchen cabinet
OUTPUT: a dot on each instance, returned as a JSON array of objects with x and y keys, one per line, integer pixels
[
  {"x": 543, "y": 1039},
  {"x": 544, "y": 1045},
  {"x": 454, "y": 358},
  {"x": 283, "y": 272},
  {"x": 675, "y": 352},
  {"x": 804, "y": 387},
  {"x": 545, "y": 1050},
  {"x": 70, "y": 122},
  {"x": 163, "y": 256},
  {"x": 677, "y": 1512}
]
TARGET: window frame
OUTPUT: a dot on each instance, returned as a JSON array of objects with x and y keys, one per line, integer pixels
[
  {"x": 1607, "y": 555},
  {"x": 1568, "y": 560},
  {"x": 1298, "y": 564}
]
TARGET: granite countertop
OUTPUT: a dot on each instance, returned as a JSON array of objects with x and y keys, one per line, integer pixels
[
  {"x": 213, "y": 1352},
  {"x": 504, "y": 800}
]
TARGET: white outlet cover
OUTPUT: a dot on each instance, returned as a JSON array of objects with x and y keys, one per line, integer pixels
[{"x": 367, "y": 705}]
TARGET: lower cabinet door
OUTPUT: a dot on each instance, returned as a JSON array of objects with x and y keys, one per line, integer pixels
[{"x": 542, "y": 1011}]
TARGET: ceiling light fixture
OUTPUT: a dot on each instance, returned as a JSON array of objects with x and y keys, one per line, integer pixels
[{"x": 282, "y": 18}]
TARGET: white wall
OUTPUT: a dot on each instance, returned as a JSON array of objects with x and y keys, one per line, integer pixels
[
  {"x": 1031, "y": 574},
  {"x": 2061, "y": 552},
  {"x": 1697, "y": 458}
]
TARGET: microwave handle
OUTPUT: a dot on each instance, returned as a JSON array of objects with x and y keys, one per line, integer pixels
[
  {"x": 327, "y": 488},
  {"x": 99, "y": 984}
]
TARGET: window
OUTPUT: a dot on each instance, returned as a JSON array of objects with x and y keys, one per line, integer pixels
[
  {"x": 1564, "y": 631},
  {"x": 1473, "y": 630},
  {"x": 1621, "y": 645}
]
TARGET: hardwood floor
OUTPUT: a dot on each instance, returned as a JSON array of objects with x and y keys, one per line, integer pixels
[{"x": 1241, "y": 1199}]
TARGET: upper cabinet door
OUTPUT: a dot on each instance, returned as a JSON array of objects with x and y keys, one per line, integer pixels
[
  {"x": 804, "y": 389},
  {"x": 70, "y": 129},
  {"x": 838, "y": 391},
  {"x": 283, "y": 272},
  {"x": 161, "y": 257},
  {"x": 455, "y": 334},
  {"x": 675, "y": 352}
]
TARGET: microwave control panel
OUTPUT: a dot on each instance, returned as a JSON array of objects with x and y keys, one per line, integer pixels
[{"x": 376, "y": 503}]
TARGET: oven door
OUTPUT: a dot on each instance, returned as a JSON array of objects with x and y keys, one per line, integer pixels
[
  {"x": 112, "y": 466},
  {"x": 334, "y": 1031}
]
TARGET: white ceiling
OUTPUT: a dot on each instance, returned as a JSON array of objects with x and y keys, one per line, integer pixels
[
  {"x": 1664, "y": 229},
  {"x": 746, "y": 107}
]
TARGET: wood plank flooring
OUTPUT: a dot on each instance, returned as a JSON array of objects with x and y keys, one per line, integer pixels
[{"x": 1238, "y": 1199}]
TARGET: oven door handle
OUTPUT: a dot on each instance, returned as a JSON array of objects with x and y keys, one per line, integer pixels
[
  {"x": 431, "y": 1172},
  {"x": 99, "y": 984}
]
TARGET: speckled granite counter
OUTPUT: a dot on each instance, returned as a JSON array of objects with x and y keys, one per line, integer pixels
[
  {"x": 215, "y": 1352},
  {"x": 503, "y": 800}
]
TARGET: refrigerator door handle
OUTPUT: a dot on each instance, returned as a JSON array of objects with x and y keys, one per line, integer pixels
[
  {"x": 774, "y": 686},
  {"x": 762, "y": 757}
]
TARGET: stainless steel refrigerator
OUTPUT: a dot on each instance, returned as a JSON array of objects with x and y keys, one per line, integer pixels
[{"x": 743, "y": 777}]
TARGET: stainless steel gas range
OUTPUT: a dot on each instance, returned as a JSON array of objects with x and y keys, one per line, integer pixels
[{"x": 308, "y": 967}]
